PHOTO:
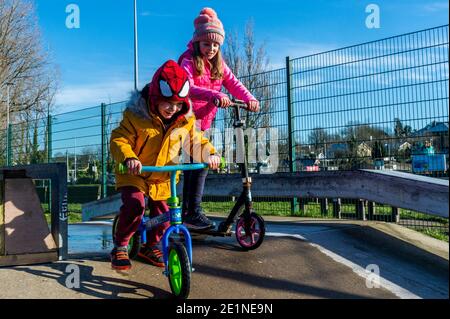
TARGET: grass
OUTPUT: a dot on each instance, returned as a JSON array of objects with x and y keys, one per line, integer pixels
[
  {"x": 417, "y": 221},
  {"x": 74, "y": 211},
  {"x": 435, "y": 233},
  {"x": 278, "y": 208}
]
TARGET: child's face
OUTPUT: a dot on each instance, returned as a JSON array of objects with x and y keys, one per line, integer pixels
[
  {"x": 209, "y": 49},
  {"x": 167, "y": 109}
]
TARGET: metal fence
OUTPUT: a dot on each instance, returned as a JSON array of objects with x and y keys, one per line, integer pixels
[{"x": 381, "y": 104}]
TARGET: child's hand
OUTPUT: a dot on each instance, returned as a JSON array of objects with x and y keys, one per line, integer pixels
[
  {"x": 134, "y": 166},
  {"x": 214, "y": 162},
  {"x": 223, "y": 102},
  {"x": 253, "y": 106}
]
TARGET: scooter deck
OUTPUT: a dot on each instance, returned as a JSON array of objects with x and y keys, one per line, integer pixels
[{"x": 211, "y": 232}]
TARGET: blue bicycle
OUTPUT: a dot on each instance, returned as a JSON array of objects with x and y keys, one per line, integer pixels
[{"x": 177, "y": 256}]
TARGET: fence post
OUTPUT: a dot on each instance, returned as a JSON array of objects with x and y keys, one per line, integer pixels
[
  {"x": 360, "y": 209},
  {"x": 104, "y": 150},
  {"x": 49, "y": 138},
  {"x": 337, "y": 208},
  {"x": 49, "y": 156},
  {"x": 9, "y": 153},
  {"x": 370, "y": 210},
  {"x": 395, "y": 217},
  {"x": 323, "y": 206},
  {"x": 294, "y": 204},
  {"x": 302, "y": 204}
]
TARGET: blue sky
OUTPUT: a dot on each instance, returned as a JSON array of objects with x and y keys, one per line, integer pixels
[{"x": 96, "y": 61}]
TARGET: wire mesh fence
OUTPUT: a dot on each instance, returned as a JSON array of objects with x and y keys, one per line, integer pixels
[
  {"x": 382, "y": 103},
  {"x": 377, "y": 105}
]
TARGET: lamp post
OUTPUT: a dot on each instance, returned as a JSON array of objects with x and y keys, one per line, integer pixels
[{"x": 136, "y": 74}]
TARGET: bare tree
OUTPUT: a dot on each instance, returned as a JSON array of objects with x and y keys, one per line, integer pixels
[
  {"x": 249, "y": 62},
  {"x": 318, "y": 137},
  {"x": 25, "y": 65}
]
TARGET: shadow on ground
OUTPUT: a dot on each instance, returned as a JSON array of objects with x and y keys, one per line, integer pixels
[{"x": 95, "y": 286}]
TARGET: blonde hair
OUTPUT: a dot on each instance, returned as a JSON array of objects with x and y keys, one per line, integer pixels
[{"x": 215, "y": 63}]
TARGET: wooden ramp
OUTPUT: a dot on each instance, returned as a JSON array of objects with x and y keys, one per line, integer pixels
[
  {"x": 402, "y": 190},
  {"x": 25, "y": 236}
]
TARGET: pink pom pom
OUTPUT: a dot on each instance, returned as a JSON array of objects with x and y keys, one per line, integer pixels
[{"x": 209, "y": 12}]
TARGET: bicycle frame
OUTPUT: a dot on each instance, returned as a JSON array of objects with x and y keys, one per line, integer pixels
[{"x": 174, "y": 213}]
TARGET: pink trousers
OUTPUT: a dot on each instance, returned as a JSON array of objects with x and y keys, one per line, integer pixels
[{"x": 131, "y": 213}]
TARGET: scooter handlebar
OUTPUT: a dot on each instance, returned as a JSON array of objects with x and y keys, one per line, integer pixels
[{"x": 239, "y": 103}]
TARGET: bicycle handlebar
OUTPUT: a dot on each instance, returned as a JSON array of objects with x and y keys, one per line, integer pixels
[{"x": 170, "y": 168}]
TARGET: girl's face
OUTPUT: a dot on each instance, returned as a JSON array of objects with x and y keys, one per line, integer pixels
[
  {"x": 209, "y": 49},
  {"x": 167, "y": 109}
]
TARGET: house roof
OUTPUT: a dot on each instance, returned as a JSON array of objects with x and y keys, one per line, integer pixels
[{"x": 434, "y": 127}]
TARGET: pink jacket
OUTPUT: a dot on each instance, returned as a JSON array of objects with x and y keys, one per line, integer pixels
[{"x": 204, "y": 90}]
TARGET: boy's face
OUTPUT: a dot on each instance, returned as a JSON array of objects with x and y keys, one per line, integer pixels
[
  {"x": 167, "y": 109},
  {"x": 209, "y": 49}
]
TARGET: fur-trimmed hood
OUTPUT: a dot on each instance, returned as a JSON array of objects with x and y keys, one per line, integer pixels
[
  {"x": 169, "y": 83},
  {"x": 138, "y": 105}
]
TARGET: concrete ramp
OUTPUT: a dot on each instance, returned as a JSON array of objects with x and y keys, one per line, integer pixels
[
  {"x": 25, "y": 237},
  {"x": 402, "y": 190}
]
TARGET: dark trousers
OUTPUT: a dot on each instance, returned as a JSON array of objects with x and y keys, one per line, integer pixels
[
  {"x": 193, "y": 185},
  {"x": 131, "y": 213}
]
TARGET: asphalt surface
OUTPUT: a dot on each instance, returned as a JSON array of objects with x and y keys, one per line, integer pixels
[{"x": 306, "y": 260}]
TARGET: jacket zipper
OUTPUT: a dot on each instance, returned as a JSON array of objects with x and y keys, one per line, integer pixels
[
  {"x": 142, "y": 147},
  {"x": 146, "y": 139}
]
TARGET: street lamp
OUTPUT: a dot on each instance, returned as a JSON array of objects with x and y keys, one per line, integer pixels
[{"x": 136, "y": 74}]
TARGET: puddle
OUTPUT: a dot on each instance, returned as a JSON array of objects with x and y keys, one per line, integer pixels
[{"x": 90, "y": 238}]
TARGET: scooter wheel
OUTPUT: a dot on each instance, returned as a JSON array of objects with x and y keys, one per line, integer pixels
[
  {"x": 179, "y": 269},
  {"x": 135, "y": 241},
  {"x": 250, "y": 234}
]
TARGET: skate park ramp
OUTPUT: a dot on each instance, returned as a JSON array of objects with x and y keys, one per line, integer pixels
[{"x": 25, "y": 237}]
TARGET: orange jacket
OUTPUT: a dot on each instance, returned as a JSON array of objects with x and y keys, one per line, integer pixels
[{"x": 142, "y": 135}]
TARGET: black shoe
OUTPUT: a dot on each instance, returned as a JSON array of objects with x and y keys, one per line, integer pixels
[{"x": 198, "y": 221}]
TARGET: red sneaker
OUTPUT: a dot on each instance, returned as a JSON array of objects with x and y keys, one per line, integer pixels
[
  {"x": 152, "y": 255},
  {"x": 120, "y": 259}
]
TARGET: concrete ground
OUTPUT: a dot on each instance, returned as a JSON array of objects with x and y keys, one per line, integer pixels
[{"x": 298, "y": 259}]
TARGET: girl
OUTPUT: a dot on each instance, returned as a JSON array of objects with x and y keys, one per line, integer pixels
[
  {"x": 207, "y": 73},
  {"x": 152, "y": 131}
]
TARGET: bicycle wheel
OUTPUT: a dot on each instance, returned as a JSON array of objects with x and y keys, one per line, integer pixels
[
  {"x": 250, "y": 236},
  {"x": 179, "y": 269},
  {"x": 135, "y": 241}
]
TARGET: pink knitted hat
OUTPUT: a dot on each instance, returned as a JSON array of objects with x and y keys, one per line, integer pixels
[{"x": 208, "y": 27}]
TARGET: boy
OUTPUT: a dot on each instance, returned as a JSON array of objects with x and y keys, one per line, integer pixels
[{"x": 156, "y": 124}]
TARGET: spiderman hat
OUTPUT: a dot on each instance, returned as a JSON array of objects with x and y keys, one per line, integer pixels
[{"x": 170, "y": 83}]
